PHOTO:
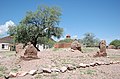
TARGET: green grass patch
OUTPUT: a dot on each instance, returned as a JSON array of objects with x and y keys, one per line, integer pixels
[
  {"x": 15, "y": 69},
  {"x": 89, "y": 72},
  {"x": 2, "y": 68},
  {"x": 65, "y": 61},
  {"x": 9, "y": 53},
  {"x": 1, "y": 74},
  {"x": 57, "y": 49},
  {"x": 89, "y": 49}
]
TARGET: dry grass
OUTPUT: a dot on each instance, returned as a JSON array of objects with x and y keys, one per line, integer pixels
[{"x": 63, "y": 57}]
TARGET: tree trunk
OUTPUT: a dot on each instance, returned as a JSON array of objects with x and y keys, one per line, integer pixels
[{"x": 35, "y": 43}]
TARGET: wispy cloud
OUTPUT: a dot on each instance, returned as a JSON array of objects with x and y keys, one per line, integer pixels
[
  {"x": 75, "y": 37},
  {"x": 4, "y": 27}
]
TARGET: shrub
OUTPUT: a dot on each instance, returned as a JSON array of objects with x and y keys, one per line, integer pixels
[
  {"x": 116, "y": 43},
  {"x": 111, "y": 47},
  {"x": 118, "y": 47},
  {"x": 67, "y": 40}
]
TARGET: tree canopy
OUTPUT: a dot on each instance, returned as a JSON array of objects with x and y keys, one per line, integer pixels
[
  {"x": 43, "y": 22},
  {"x": 89, "y": 40},
  {"x": 116, "y": 43}
]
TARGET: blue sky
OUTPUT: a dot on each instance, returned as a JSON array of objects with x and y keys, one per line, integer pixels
[{"x": 101, "y": 17}]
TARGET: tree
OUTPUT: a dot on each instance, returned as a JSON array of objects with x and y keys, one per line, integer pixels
[
  {"x": 46, "y": 41},
  {"x": 89, "y": 40},
  {"x": 11, "y": 30},
  {"x": 41, "y": 23},
  {"x": 116, "y": 43}
]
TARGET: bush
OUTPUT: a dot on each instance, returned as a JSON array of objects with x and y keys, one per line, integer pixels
[
  {"x": 116, "y": 43},
  {"x": 51, "y": 43},
  {"x": 111, "y": 47},
  {"x": 118, "y": 47},
  {"x": 67, "y": 40}
]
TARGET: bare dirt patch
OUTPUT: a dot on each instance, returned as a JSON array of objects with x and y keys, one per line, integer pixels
[{"x": 62, "y": 57}]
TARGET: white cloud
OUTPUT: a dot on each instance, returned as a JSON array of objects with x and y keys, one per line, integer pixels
[
  {"x": 75, "y": 37},
  {"x": 4, "y": 27}
]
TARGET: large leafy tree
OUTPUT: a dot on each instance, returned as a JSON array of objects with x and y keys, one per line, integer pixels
[
  {"x": 43, "y": 22},
  {"x": 89, "y": 40}
]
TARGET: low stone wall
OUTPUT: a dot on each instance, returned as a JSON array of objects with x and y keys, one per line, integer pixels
[
  {"x": 63, "y": 69},
  {"x": 62, "y": 45}
]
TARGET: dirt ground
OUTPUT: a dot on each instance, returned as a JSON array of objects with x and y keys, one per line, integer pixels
[{"x": 57, "y": 58}]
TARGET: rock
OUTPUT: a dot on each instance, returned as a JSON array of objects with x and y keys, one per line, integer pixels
[
  {"x": 71, "y": 67},
  {"x": 107, "y": 63},
  {"x": 76, "y": 45},
  {"x": 72, "y": 50},
  {"x": 55, "y": 70},
  {"x": 46, "y": 70},
  {"x": 81, "y": 65},
  {"x": 63, "y": 69},
  {"x": 102, "y": 47},
  {"x": 87, "y": 65},
  {"x": 32, "y": 72},
  {"x": 53, "y": 65},
  {"x": 19, "y": 47},
  {"x": 102, "y": 63},
  {"x": 12, "y": 74},
  {"x": 22, "y": 73},
  {"x": 40, "y": 70},
  {"x": 98, "y": 62},
  {"x": 92, "y": 64},
  {"x": 111, "y": 62},
  {"x": 31, "y": 51},
  {"x": 108, "y": 56},
  {"x": 111, "y": 47},
  {"x": 1, "y": 57},
  {"x": 116, "y": 62}
]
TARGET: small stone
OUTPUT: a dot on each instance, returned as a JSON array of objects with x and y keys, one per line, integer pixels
[
  {"x": 107, "y": 63},
  {"x": 71, "y": 67},
  {"x": 87, "y": 65},
  {"x": 55, "y": 70},
  {"x": 32, "y": 72},
  {"x": 111, "y": 62},
  {"x": 81, "y": 65},
  {"x": 46, "y": 70},
  {"x": 53, "y": 65},
  {"x": 108, "y": 56},
  {"x": 63, "y": 69},
  {"x": 22, "y": 73},
  {"x": 40, "y": 71},
  {"x": 72, "y": 50},
  {"x": 19, "y": 66},
  {"x": 102, "y": 63},
  {"x": 92, "y": 64},
  {"x": 98, "y": 62},
  {"x": 12, "y": 74},
  {"x": 117, "y": 62}
]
